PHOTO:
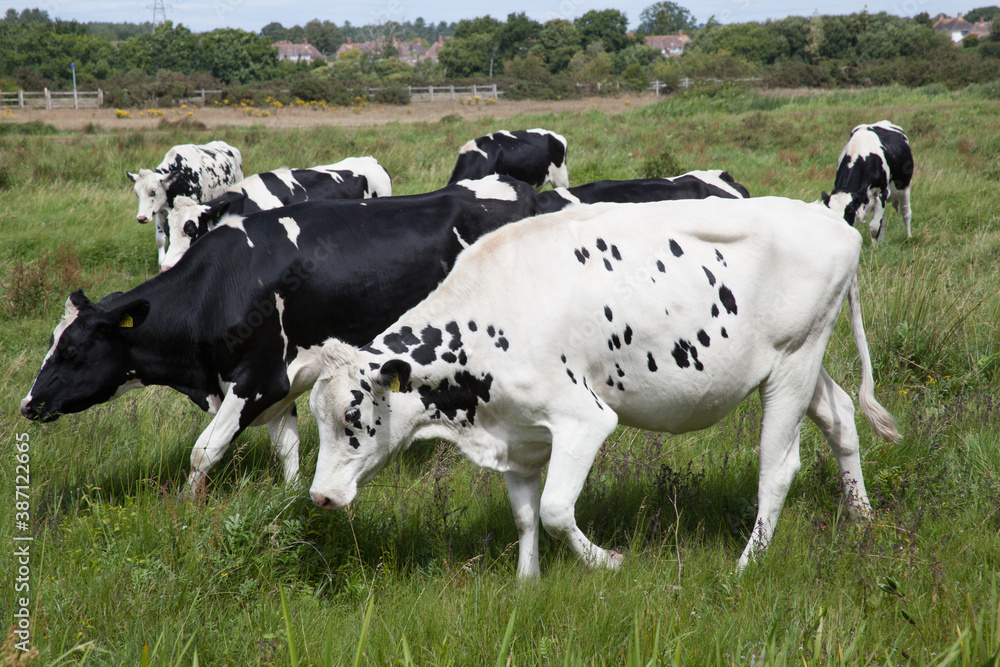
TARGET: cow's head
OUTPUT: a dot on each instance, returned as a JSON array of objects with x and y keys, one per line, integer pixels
[
  {"x": 365, "y": 415},
  {"x": 852, "y": 206},
  {"x": 187, "y": 222},
  {"x": 88, "y": 361},
  {"x": 151, "y": 188}
]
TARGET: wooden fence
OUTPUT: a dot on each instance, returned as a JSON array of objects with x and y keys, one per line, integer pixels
[{"x": 47, "y": 99}]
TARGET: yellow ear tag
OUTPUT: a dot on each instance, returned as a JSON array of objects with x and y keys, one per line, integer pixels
[
  {"x": 126, "y": 322},
  {"x": 394, "y": 385}
]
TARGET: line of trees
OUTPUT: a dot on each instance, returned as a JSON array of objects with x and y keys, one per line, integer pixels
[{"x": 531, "y": 58}]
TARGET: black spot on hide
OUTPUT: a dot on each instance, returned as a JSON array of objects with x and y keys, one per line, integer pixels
[
  {"x": 614, "y": 252},
  {"x": 710, "y": 276},
  {"x": 427, "y": 352},
  {"x": 728, "y": 300},
  {"x": 607, "y": 313},
  {"x": 703, "y": 338},
  {"x": 465, "y": 394},
  {"x": 675, "y": 248},
  {"x": 401, "y": 341},
  {"x": 601, "y": 245},
  {"x": 650, "y": 361}
]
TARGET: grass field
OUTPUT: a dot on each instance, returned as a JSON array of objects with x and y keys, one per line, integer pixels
[{"x": 420, "y": 569}]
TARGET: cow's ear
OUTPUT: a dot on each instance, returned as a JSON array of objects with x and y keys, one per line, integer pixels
[
  {"x": 132, "y": 177},
  {"x": 825, "y": 197},
  {"x": 78, "y": 300},
  {"x": 395, "y": 375},
  {"x": 131, "y": 315},
  {"x": 169, "y": 178},
  {"x": 214, "y": 213}
]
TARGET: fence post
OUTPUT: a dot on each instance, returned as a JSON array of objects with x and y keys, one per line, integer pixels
[
  {"x": 100, "y": 98},
  {"x": 494, "y": 92},
  {"x": 452, "y": 87},
  {"x": 48, "y": 99},
  {"x": 20, "y": 98},
  {"x": 430, "y": 89},
  {"x": 473, "y": 91}
]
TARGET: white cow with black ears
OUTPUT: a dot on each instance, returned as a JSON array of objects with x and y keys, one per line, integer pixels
[
  {"x": 663, "y": 316},
  {"x": 199, "y": 172}
]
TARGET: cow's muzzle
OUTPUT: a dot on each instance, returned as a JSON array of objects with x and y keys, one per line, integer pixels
[
  {"x": 141, "y": 219},
  {"x": 35, "y": 412}
]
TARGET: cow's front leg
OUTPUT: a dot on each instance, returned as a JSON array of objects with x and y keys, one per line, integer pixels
[
  {"x": 284, "y": 431},
  {"x": 159, "y": 223},
  {"x": 573, "y": 450},
  {"x": 876, "y": 227},
  {"x": 525, "y": 496},
  {"x": 214, "y": 440}
]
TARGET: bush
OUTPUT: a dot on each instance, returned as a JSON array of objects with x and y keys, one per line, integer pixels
[
  {"x": 663, "y": 164},
  {"x": 393, "y": 95},
  {"x": 796, "y": 74}
]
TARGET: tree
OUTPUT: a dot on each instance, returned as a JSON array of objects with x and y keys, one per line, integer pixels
[
  {"x": 474, "y": 48},
  {"x": 664, "y": 18},
  {"x": 232, "y": 55},
  {"x": 324, "y": 35},
  {"x": 516, "y": 36},
  {"x": 608, "y": 26},
  {"x": 275, "y": 32},
  {"x": 753, "y": 42},
  {"x": 984, "y": 13},
  {"x": 558, "y": 40}
]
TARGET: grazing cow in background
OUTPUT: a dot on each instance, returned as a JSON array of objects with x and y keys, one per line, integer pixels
[
  {"x": 237, "y": 325},
  {"x": 534, "y": 156},
  {"x": 199, "y": 172},
  {"x": 875, "y": 168},
  {"x": 692, "y": 185},
  {"x": 352, "y": 178},
  {"x": 661, "y": 316}
]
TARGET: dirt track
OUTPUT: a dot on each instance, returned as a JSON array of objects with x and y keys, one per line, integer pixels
[{"x": 378, "y": 114}]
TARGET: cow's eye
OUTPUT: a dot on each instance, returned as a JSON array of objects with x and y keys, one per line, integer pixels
[
  {"x": 352, "y": 415},
  {"x": 69, "y": 352},
  {"x": 152, "y": 193}
]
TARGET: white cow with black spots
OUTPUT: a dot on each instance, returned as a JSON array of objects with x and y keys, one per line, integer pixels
[
  {"x": 200, "y": 172},
  {"x": 875, "y": 168},
  {"x": 662, "y": 316}
]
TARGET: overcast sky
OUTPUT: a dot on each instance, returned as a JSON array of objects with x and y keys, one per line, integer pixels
[{"x": 252, "y": 15}]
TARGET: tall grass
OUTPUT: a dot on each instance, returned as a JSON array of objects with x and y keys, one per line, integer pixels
[{"x": 420, "y": 569}]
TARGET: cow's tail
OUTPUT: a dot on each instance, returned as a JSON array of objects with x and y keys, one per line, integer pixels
[{"x": 882, "y": 422}]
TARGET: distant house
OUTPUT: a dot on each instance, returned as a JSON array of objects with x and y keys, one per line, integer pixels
[
  {"x": 956, "y": 28},
  {"x": 981, "y": 29},
  {"x": 668, "y": 45},
  {"x": 304, "y": 52},
  {"x": 409, "y": 52}
]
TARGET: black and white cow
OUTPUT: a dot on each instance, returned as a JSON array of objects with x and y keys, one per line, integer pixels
[
  {"x": 199, "y": 172},
  {"x": 352, "y": 178},
  {"x": 692, "y": 185},
  {"x": 875, "y": 168},
  {"x": 662, "y": 316},
  {"x": 237, "y": 325},
  {"x": 534, "y": 156}
]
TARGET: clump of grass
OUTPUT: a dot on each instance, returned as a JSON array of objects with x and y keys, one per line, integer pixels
[
  {"x": 30, "y": 285},
  {"x": 662, "y": 164}
]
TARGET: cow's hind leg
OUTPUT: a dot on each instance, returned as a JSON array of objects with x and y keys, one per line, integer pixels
[
  {"x": 575, "y": 443},
  {"x": 903, "y": 206},
  {"x": 832, "y": 410},
  {"x": 784, "y": 403},
  {"x": 284, "y": 430},
  {"x": 525, "y": 497}
]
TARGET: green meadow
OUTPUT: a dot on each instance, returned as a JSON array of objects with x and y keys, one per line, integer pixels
[{"x": 420, "y": 569}]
